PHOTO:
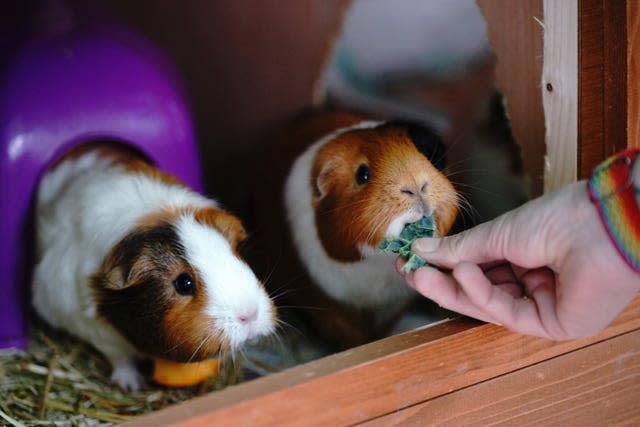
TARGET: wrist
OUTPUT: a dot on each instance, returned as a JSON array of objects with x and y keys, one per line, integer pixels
[{"x": 613, "y": 192}]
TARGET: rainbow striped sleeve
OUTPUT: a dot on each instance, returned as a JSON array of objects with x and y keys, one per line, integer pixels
[{"x": 612, "y": 190}]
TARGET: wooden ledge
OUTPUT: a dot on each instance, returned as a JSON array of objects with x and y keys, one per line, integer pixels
[{"x": 380, "y": 378}]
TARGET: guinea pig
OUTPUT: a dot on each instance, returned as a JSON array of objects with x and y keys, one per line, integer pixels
[
  {"x": 137, "y": 264},
  {"x": 334, "y": 186}
]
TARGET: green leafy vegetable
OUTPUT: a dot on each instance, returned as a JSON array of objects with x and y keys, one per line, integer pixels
[{"x": 401, "y": 245}]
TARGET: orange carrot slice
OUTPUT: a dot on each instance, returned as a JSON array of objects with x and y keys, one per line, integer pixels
[{"x": 174, "y": 374}]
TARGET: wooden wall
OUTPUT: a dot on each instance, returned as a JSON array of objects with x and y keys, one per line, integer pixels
[
  {"x": 518, "y": 71},
  {"x": 248, "y": 65}
]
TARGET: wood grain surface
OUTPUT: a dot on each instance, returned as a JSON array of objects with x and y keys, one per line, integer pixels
[
  {"x": 560, "y": 92},
  {"x": 381, "y": 378},
  {"x": 633, "y": 73},
  {"x": 603, "y": 81},
  {"x": 596, "y": 385}
]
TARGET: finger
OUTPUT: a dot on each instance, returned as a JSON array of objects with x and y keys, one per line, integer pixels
[
  {"x": 520, "y": 236},
  {"x": 513, "y": 289},
  {"x": 480, "y": 244},
  {"x": 540, "y": 286},
  {"x": 532, "y": 279},
  {"x": 500, "y": 273},
  {"x": 503, "y": 276},
  {"x": 445, "y": 291},
  {"x": 518, "y": 314}
]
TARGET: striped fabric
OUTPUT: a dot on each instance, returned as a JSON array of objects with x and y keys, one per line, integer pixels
[{"x": 612, "y": 190}]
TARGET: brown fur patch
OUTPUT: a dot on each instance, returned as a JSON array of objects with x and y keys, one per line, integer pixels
[
  {"x": 139, "y": 166},
  {"x": 134, "y": 292},
  {"x": 166, "y": 216},
  {"x": 227, "y": 224},
  {"x": 349, "y": 215},
  {"x": 132, "y": 160}
]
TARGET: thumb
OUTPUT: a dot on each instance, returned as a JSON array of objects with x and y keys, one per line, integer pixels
[
  {"x": 480, "y": 244},
  {"x": 535, "y": 234}
]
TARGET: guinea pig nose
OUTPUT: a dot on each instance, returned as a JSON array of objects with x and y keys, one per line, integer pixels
[
  {"x": 426, "y": 208},
  {"x": 248, "y": 317},
  {"x": 408, "y": 192},
  {"x": 423, "y": 189}
]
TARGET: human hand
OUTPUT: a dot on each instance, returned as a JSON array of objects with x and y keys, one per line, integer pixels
[{"x": 547, "y": 269}]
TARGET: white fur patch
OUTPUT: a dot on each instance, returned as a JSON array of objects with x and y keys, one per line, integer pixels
[
  {"x": 371, "y": 282},
  {"x": 236, "y": 299}
]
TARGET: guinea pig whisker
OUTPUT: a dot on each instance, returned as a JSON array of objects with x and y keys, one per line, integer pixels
[
  {"x": 204, "y": 341},
  {"x": 284, "y": 324},
  {"x": 270, "y": 274},
  {"x": 459, "y": 161},
  {"x": 467, "y": 211},
  {"x": 370, "y": 231},
  {"x": 282, "y": 293},
  {"x": 179, "y": 343},
  {"x": 216, "y": 336},
  {"x": 374, "y": 226},
  {"x": 278, "y": 342},
  {"x": 484, "y": 171},
  {"x": 348, "y": 205},
  {"x": 232, "y": 355},
  {"x": 276, "y": 292},
  {"x": 299, "y": 288},
  {"x": 300, "y": 307},
  {"x": 481, "y": 189}
]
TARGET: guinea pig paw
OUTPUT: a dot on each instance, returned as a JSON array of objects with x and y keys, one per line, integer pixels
[{"x": 127, "y": 377}]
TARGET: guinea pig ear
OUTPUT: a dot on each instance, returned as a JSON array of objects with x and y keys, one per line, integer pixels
[
  {"x": 320, "y": 179},
  {"x": 426, "y": 140},
  {"x": 227, "y": 224},
  {"x": 111, "y": 278}
]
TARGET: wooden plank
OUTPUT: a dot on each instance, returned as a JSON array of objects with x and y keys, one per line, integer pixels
[
  {"x": 603, "y": 83},
  {"x": 593, "y": 386},
  {"x": 591, "y": 84},
  {"x": 560, "y": 91},
  {"x": 633, "y": 73},
  {"x": 380, "y": 378},
  {"x": 615, "y": 77},
  {"x": 591, "y": 33},
  {"x": 517, "y": 75},
  {"x": 591, "y": 124}
]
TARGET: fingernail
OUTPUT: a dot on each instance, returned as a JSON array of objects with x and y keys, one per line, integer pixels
[
  {"x": 427, "y": 244},
  {"x": 409, "y": 279}
]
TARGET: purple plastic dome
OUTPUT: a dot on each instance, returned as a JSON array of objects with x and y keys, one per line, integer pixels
[{"x": 106, "y": 83}]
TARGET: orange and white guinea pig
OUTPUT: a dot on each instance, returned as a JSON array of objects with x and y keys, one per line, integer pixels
[
  {"x": 342, "y": 183},
  {"x": 137, "y": 264}
]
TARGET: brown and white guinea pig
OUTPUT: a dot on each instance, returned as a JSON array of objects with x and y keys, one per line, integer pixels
[
  {"x": 341, "y": 184},
  {"x": 137, "y": 264}
]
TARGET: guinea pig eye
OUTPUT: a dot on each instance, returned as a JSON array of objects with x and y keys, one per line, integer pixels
[
  {"x": 184, "y": 284},
  {"x": 362, "y": 174}
]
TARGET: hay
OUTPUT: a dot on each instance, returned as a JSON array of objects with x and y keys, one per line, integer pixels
[{"x": 61, "y": 381}]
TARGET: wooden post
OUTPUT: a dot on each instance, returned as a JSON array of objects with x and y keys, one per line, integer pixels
[
  {"x": 605, "y": 110},
  {"x": 633, "y": 74},
  {"x": 560, "y": 91}
]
